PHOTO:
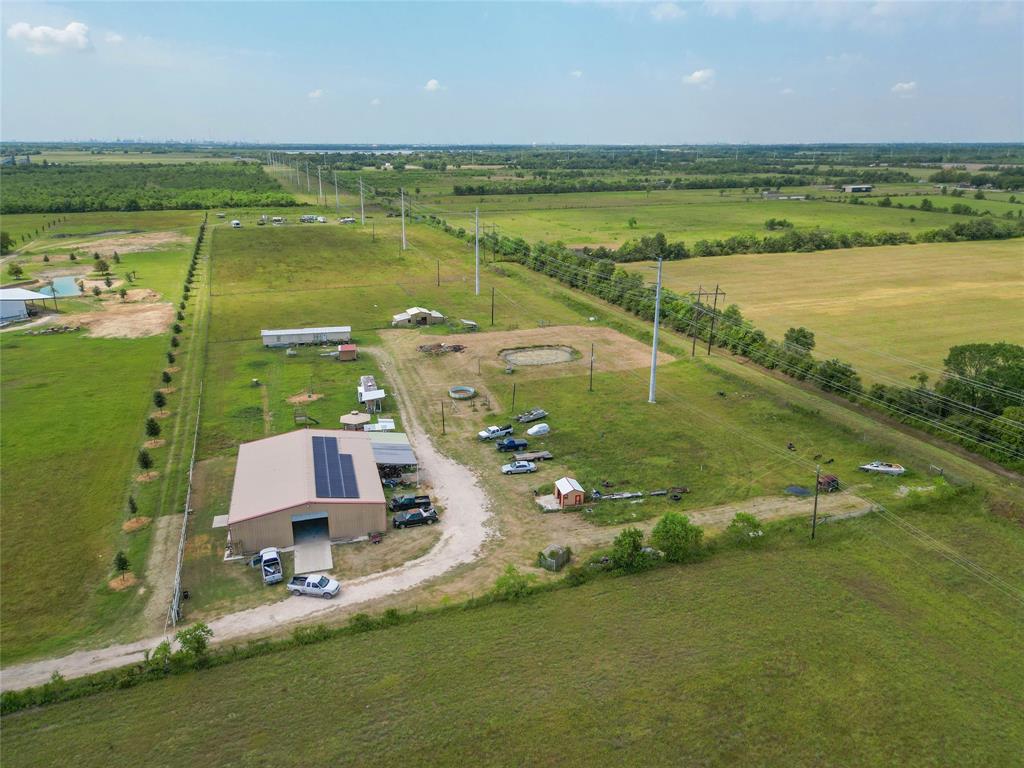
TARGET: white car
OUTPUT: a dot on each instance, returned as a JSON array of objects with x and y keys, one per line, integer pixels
[
  {"x": 519, "y": 468},
  {"x": 538, "y": 429},
  {"x": 883, "y": 468}
]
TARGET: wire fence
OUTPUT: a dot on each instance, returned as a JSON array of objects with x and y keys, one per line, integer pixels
[{"x": 174, "y": 613}]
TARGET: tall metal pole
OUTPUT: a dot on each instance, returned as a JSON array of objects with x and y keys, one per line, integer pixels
[
  {"x": 337, "y": 204},
  {"x": 654, "y": 342},
  {"x": 403, "y": 218},
  {"x": 320, "y": 186},
  {"x": 307, "y": 177},
  {"x": 492, "y": 305},
  {"x": 817, "y": 481},
  {"x": 591, "y": 389},
  {"x": 714, "y": 309},
  {"x": 693, "y": 319},
  {"x": 477, "y": 229},
  {"x": 362, "y": 209}
]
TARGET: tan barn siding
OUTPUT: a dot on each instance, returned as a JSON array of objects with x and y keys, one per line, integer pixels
[{"x": 345, "y": 521}]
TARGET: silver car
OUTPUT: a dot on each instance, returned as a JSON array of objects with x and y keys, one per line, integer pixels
[{"x": 519, "y": 468}]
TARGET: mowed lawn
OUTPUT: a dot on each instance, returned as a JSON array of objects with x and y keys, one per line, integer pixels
[
  {"x": 602, "y": 218},
  {"x": 882, "y": 309},
  {"x": 861, "y": 649}
]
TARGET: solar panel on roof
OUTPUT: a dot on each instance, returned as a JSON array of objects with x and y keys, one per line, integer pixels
[{"x": 334, "y": 473}]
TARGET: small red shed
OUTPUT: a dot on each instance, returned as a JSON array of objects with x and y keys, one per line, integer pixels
[
  {"x": 347, "y": 352},
  {"x": 568, "y": 493}
]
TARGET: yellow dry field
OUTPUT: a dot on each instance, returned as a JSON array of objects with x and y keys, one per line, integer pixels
[{"x": 884, "y": 310}]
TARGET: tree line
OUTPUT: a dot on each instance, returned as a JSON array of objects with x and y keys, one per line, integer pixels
[{"x": 137, "y": 187}]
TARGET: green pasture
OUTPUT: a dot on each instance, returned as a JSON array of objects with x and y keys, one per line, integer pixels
[
  {"x": 995, "y": 203},
  {"x": 602, "y": 218},
  {"x": 885, "y": 309},
  {"x": 861, "y": 644},
  {"x": 80, "y": 157}
]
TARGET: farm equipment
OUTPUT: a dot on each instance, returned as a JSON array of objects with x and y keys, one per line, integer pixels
[{"x": 534, "y": 414}]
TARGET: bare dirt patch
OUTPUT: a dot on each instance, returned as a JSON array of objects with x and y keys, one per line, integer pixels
[
  {"x": 160, "y": 414},
  {"x": 141, "y": 294},
  {"x": 168, "y": 390},
  {"x": 144, "y": 241},
  {"x": 123, "y": 582},
  {"x": 147, "y": 477},
  {"x": 156, "y": 443},
  {"x": 304, "y": 397},
  {"x": 88, "y": 285},
  {"x": 547, "y": 355},
  {"x": 361, "y": 559},
  {"x": 173, "y": 369},
  {"x": 125, "y": 320},
  {"x": 70, "y": 271},
  {"x": 135, "y": 524},
  {"x": 163, "y": 554}
]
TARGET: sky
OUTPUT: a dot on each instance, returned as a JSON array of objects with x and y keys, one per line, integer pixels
[{"x": 522, "y": 73}]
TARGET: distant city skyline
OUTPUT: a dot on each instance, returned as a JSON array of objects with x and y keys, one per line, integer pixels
[{"x": 514, "y": 73}]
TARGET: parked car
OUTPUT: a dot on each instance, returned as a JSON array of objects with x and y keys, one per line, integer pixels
[
  {"x": 534, "y": 414},
  {"x": 519, "y": 468},
  {"x": 493, "y": 433},
  {"x": 316, "y": 586},
  {"x": 414, "y": 517},
  {"x": 270, "y": 564},
  {"x": 538, "y": 429},
  {"x": 883, "y": 468},
  {"x": 236, "y": 224},
  {"x": 402, "y": 503},
  {"x": 512, "y": 444}
]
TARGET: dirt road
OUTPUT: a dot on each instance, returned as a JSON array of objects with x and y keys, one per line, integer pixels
[{"x": 465, "y": 529}]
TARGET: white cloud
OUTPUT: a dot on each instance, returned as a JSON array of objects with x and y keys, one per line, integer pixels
[
  {"x": 667, "y": 12},
  {"x": 314, "y": 95},
  {"x": 787, "y": 92},
  {"x": 432, "y": 85},
  {"x": 114, "y": 38},
  {"x": 576, "y": 74},
  {"x": 701, "y": 77},
  {"x": 904, "y": 90},
  {"x": 44, "y": 40},
  {"x": 374, "y": 102}
]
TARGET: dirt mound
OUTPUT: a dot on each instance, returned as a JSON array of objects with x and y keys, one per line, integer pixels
[
  {"x": 123, "y": 582},
  {"x": 135, "y": 524},
  {"x": 440, "y": 349},
  {"x": 141, "y": 294},
  {"x": 304, "y": 397},
  {"x": 160, "y": 414},
  {"x": 126, "y": 321},
  {"x": 157, "y": 443},
  {"x": 146, "y": 477}
]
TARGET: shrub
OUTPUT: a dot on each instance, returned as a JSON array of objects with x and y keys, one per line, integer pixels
[
  {"x": 46, "y": 258},
  {"x": 308, "y": 635},
  {"x": 121, "y": 563},
  {"x": 174, "y": 341},
  {"x": 15, "y": 270},
  {"x": 96, "y": 290},
  {"x": 678, "y": 538},
  {"x": 144, "y": 459},
  {"x": 512, "y": 584},
  {"x": 628, "y": 551},
  {"x": 159, "y": 400},
  {"x": 181, "y": 315},
  {"x": 170, "y": 358},
  {"x": 133, "y": 506},
  {"x": 177, "y": 328},
  {"x": 152, "y": 427},
  {"x": 744, "y": 530},
  {"x": 165, "y": 377},
  {"x": 194, "y": 640}
]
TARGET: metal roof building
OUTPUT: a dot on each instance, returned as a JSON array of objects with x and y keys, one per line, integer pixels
[
  {"x": 12, "y": 303},
  {"x": 320, "y": 475},
  {"x": 285, "y": 337},
  {"x": 392, "y": 448}
]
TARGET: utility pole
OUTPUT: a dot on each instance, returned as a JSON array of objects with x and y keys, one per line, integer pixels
[
  {"x": 711, "y": 333},
  {"x": 320, "y": 186},
  {"x": 492, "y": 305},
  {"x": 403, "y": 219},
  {"x": 307, "y": 177},
  {"x": 477, "y": 230},
  {"x": 337, "y": 204},
  {"x": 654, "y": 342},
  {"x": 362, "y": 208},
  {"x": 693, "y": 320},
  {"x": 438, "y": 273},
  {"x": 814, "y": 519},
  {"x": 591, "y": 389},
  {"x": 442, "y": 417},
  {"x": 513, "y": 396}
]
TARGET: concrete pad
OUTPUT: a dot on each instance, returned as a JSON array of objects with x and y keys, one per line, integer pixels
[
  {"x": 220, "y": 521},
  {"x": 313, "y": 556}
]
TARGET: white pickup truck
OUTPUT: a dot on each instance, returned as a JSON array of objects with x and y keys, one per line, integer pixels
[
  {"x": 317, "y": 586},
  {"x": 493, "y": 433},
  {"x": 270, "y": 564}
]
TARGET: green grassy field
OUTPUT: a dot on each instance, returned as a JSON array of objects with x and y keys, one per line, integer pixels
[
  {"x": 846, "y": 651},
  {"x": 688, "y": 215},
  {"x": 74, "y": 409},
  {"x": 876, "y": 308}
]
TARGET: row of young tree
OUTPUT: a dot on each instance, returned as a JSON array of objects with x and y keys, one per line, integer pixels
[
  {"x": 138, "y": 186},
  {"x": 972, "y": 372}
]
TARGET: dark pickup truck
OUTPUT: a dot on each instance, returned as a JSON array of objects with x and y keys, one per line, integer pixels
[
  {"x": 402, "y": 503},
  {"x": 512, "y": 444}
]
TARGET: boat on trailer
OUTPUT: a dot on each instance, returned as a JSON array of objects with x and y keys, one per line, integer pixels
[{"x": 883, "y": 468}]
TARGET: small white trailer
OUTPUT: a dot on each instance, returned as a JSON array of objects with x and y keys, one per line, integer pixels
[{"x": 286, "y": 337}]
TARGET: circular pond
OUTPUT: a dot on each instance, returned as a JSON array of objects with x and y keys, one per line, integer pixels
[
  {"x": 461, "y": 393},
  {"x": 543, "y": 355}
]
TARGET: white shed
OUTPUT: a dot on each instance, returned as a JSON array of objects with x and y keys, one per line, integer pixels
[
  {"x": 286, "y": 337},
  {"x": 12, "y": 303},
  {"x": 417, "y": 316}
]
